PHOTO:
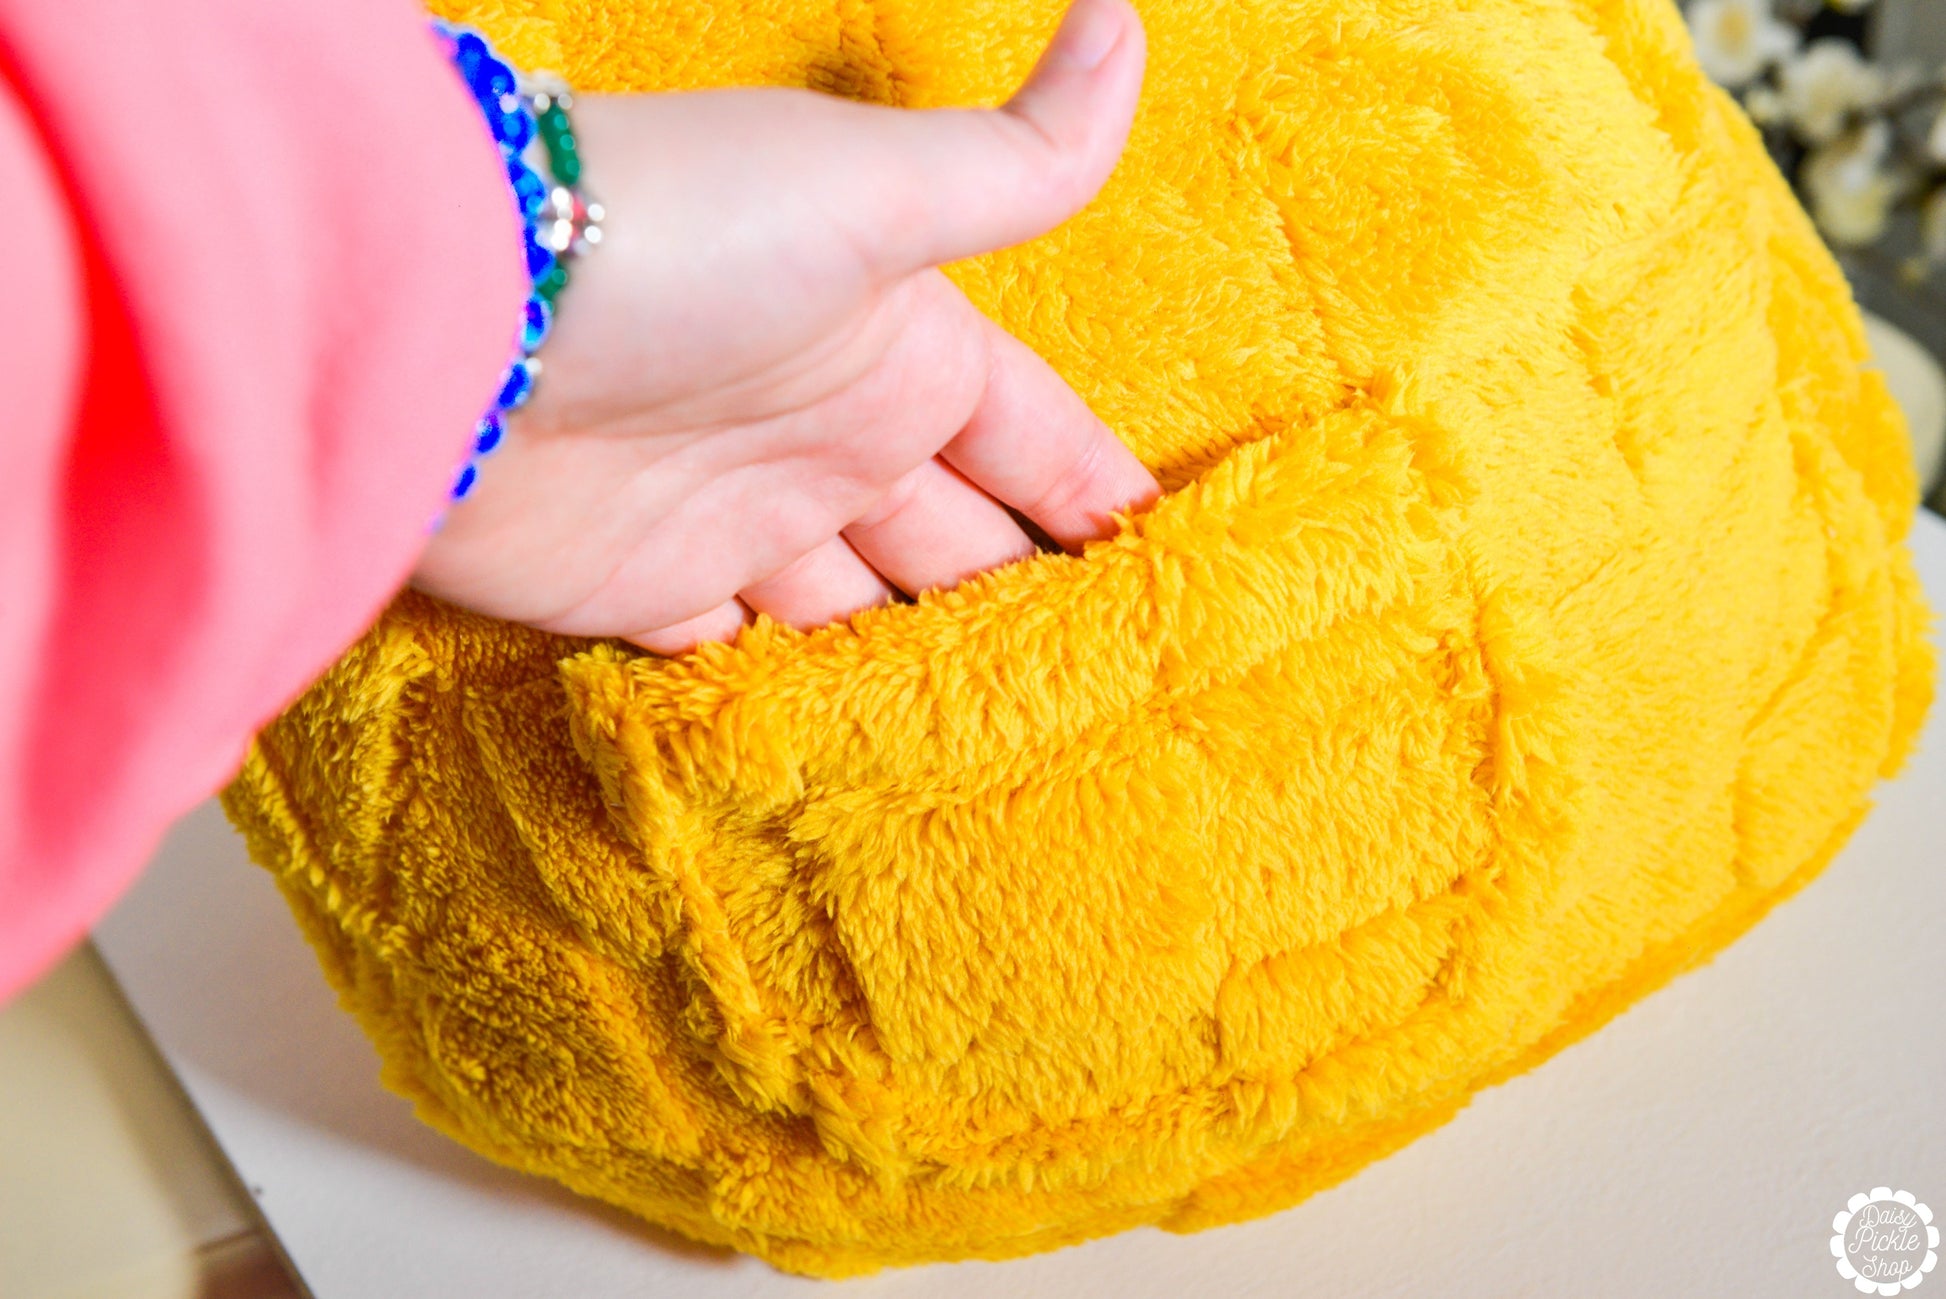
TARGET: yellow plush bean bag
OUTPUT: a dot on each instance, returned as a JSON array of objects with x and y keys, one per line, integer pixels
[{"x": 1525, "y": 615}]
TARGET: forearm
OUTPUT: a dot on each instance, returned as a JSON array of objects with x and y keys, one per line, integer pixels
[{"x": 263, "y": 273}]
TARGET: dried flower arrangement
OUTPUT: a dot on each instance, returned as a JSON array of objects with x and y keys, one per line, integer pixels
[{"x": 1857, "y": 137}]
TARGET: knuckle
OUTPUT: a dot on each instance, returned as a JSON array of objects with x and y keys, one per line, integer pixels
[
  {"x": 1069, "y": 491},
  {"x": 794, "y": 571},
  {"x": 897, "y": 498},
  {"x": 1050, "y": 164}
]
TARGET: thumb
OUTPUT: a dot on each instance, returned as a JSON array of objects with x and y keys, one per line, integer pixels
[{"x": 952, "y": 182}]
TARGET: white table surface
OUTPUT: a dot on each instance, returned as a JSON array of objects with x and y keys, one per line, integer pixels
[{"x": 1697, "y": 1146}]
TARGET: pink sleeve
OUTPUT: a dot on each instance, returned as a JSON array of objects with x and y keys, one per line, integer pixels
[{"x": 261, "y": 274}]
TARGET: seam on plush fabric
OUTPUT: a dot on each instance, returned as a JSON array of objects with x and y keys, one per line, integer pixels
[{"x": 780, "y": 1041}]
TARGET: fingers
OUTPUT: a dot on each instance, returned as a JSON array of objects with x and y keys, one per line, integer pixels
[
  {"x": 1034, "y": 444},
  {"x": 940, "y": 184},
  {"x": 934, "y": 529},
  {"x": 721, "y": 623},
  {"x": 824, "y": 585}
]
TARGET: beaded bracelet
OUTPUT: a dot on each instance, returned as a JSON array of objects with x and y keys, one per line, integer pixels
[{"x": 559, "y": 220}]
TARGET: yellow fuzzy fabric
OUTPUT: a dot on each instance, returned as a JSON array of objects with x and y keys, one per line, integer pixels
[{"x": 1527, "y": 612}]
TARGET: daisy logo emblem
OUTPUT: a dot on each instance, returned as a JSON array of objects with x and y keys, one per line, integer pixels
[{"x": 1884, "y": 1242}]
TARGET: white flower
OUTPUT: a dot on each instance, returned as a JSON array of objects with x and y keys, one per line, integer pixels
[
  {"x": 1932, "y": 227},
  {"x": 1851, "y": 195},
  {"x": 1737, "y": 39},
  {"x": 1824, "y": 83},
  {"x": 1936, "y": 138},
  {"x": 1765, "y": 106}
]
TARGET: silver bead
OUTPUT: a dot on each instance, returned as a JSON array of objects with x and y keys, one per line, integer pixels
[{"x": 545, "y": 89}]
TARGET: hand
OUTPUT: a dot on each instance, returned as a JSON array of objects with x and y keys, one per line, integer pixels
[{"x": 762, "y": 395}]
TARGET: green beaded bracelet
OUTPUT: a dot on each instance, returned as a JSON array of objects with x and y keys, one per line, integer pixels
[{"x": 557, "y": 136}]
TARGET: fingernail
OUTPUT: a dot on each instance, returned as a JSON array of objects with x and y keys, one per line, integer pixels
[{"x": 1089, "y": 31}]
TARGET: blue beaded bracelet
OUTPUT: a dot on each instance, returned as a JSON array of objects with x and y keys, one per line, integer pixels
[{"x": 559, "y": 221}]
